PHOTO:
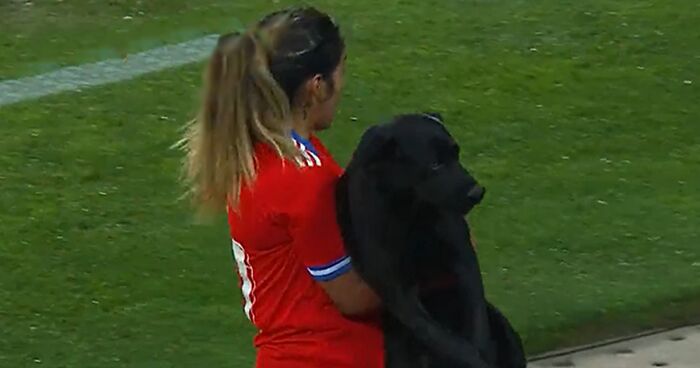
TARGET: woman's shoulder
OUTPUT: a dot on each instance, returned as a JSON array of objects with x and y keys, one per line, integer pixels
[
  {"x": 318, "y": 144},
  {"x": 327, "y": 159},
  {"x": 283, "y": 176}
]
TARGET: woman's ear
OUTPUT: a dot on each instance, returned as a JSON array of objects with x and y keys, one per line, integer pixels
[
  {"x": 318, "y": 88},
  {"x": 310, "y": 92}
]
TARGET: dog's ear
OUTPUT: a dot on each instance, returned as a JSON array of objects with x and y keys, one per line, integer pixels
[{"x": 376, "y": 143}]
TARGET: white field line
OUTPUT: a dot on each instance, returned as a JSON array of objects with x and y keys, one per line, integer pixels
[{"x": 74, "y": 78}]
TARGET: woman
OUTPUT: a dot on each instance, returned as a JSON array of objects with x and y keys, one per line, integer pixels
[{"x": 253, "y": 149}]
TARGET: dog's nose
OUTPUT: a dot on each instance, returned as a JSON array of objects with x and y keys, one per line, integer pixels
[
  {"x": 468, "y": 198},
  {"x": 476, "y": 194}
]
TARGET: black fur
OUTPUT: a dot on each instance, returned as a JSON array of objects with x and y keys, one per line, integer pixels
[{"x": 401, "y": 208}]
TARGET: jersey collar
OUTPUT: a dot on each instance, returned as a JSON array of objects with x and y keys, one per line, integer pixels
[{"x": 304, "y": 142}]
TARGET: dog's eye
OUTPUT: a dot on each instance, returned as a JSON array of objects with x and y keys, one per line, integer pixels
[{"x": 435, "y": 166}]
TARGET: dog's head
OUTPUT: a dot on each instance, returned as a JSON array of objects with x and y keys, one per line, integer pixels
[{"x": 414, "y": 158}]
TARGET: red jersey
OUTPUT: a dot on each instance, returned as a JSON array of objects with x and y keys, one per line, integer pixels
[{"x": 286, "y": 239}]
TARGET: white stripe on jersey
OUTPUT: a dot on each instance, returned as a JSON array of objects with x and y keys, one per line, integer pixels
[
  {"x": 331, "y": 268},
  {"x": 245, "y": 271},
  {"x": 310, "y": 158}
]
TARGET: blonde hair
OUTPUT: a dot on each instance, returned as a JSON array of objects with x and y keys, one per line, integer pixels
[{"x": 243, "y": 102}]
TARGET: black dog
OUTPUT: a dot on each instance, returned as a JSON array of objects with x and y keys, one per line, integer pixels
[{"x": 401, "y": 207}]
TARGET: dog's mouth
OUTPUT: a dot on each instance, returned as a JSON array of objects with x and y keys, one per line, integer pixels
[
  {"x": 453, "y": 190},
  {"x": 464, "y": 199}
]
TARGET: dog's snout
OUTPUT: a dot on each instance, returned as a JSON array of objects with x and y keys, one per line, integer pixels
[{"x": 476, "y": 193}]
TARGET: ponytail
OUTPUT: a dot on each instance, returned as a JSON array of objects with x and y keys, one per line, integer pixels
[{"x": 242, "y": 105}]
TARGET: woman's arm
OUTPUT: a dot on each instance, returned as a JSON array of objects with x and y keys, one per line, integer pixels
[
  {"x": 471, "y": 235},
  {"x": 351, "y": 295},
  {"x": 319, "y": 243}
]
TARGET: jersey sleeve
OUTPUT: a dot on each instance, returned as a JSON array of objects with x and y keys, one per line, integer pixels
[{"x": 315, "y": 230}]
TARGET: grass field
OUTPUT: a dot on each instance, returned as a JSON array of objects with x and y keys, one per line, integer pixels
[{"x": 581, "y": 118}]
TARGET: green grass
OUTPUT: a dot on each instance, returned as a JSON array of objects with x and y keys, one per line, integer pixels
[
  {"x": 577, "y": 118},
  {"x": 47, "y": 35}
]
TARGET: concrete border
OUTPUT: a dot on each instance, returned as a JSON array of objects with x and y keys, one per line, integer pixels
[{"x": 598, "y": 344}]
